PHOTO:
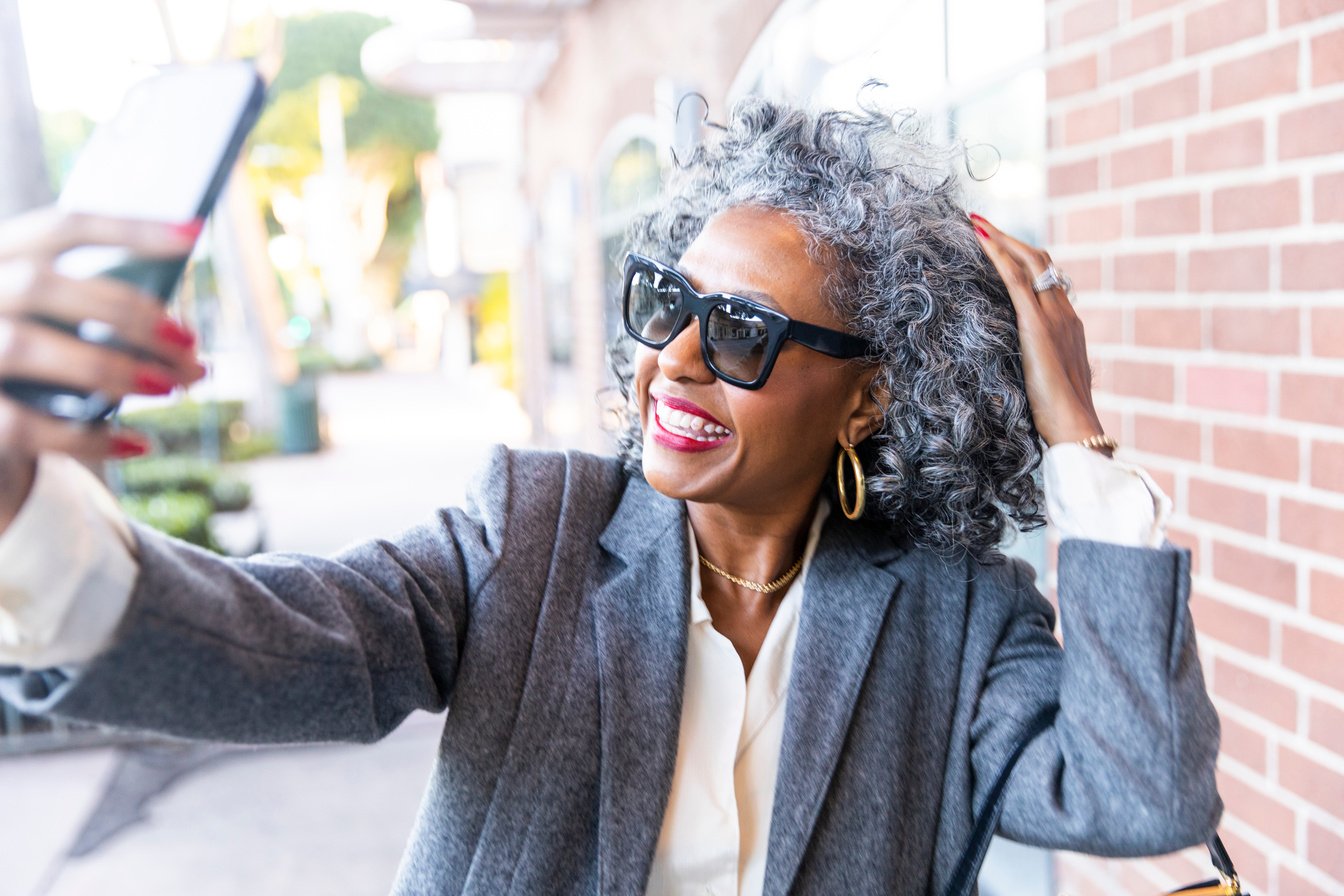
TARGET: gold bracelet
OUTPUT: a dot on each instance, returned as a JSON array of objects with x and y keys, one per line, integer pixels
[{"x": 1099, "y": 441}]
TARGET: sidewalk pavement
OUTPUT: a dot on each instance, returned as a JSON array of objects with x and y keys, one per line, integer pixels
[{"x": 328, "y": 820}]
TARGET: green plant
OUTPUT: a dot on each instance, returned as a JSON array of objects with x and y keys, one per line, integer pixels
[
  {"x": 184, "y": 515},
  {"x": 146, "y": 477},
  {"x": 181, "y": 427}
]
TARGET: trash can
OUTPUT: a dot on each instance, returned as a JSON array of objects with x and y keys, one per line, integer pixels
[{"x": 298, "y": 416}]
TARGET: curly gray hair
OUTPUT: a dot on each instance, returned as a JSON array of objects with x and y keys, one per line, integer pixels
[{"x": 952, "y": 464}]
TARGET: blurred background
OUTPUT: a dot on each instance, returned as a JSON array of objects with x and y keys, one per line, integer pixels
[{"x": 416, "y": 258}]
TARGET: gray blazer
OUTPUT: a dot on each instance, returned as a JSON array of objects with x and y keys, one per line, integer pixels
[{"x": 550, "y": 617}]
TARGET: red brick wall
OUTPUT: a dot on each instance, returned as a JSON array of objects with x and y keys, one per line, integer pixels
[{"x": 1196, "y": 178}]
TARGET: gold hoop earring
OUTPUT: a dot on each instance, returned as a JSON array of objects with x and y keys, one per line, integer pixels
[{"x": 860, "y": 489}]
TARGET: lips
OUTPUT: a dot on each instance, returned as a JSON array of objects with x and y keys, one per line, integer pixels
[{"x": 685, "y": 426}]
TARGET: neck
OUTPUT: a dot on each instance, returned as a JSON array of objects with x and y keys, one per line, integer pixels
[{"x": 752, "y": 544}]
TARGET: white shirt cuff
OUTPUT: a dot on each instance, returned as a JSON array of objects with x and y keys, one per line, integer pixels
[
  {"x": 1089, "y": 495},
  {"x": 67, "y": 569}
]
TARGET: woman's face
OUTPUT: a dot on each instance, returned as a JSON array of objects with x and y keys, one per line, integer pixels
[{"x": 757, "y": 450}]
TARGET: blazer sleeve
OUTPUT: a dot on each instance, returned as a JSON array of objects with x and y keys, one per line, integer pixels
[
  {"x": 285, "y": 647},
  {"x": 1127, "y": 768}
]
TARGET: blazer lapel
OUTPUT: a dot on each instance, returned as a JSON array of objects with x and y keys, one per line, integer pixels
[
  {"x": 641, "y": 620},
  {"x": 845, "y": 600}
]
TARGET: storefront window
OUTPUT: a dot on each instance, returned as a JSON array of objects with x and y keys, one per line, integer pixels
[{"x": 629, "y": 183}]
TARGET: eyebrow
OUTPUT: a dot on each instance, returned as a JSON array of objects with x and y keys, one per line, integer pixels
[{"x": 762, "y": 298}]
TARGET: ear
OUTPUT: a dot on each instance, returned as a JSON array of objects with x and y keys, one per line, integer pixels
[{"x": 867, "y": 404}]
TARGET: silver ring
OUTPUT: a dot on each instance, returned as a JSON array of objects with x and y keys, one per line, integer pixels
[{"x": 1053, "y": 277}]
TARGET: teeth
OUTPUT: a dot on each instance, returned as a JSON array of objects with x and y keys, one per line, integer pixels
[{"x": 690, "y": 426}]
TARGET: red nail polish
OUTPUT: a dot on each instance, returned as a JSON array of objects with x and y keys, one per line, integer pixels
[
  {"x": 975, "y": 217},
  {"x": 189, "y": 230},
  {"x": 151, "y": 382},
  {"x": 170, "y": 331},
  {"x": 119, "y": 446},
  {"x": 980, "y": 230}
]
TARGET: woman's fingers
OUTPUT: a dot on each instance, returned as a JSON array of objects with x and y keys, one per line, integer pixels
[
  {"x": 34, "y": 351},
  {"x": 47, "y": 232},
  {"x": 1054, "y": 350},
  {"x": 28, "y": 433},
  {"x": 105, "y": 311}
]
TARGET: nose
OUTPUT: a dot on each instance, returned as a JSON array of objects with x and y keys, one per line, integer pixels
[{"x": 681, "y": 359}]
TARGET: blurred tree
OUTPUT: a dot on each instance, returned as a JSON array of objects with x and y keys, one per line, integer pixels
[{"x": 383, "y": 132}]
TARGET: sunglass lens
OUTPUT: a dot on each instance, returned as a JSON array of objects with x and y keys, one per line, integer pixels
[
  {"x": 652, "y": 305},
  {"x": 738, "y": 337}
]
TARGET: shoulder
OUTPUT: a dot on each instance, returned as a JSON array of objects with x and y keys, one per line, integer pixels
[{"x": 521, "y": 489}]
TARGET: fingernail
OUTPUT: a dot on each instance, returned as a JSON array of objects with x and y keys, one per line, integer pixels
[
  {"x": 170, "y": 331},
  {"x": 975, "y": 217},
  {"x": 151, "y": 382},
  {"x": 980, "y": 230},
  {"x": 188, "y": 230},
  {"x": 120, "y": 446}
]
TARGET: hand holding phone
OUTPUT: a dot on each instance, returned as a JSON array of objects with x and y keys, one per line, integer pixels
[{"x": 161, "y": 160}]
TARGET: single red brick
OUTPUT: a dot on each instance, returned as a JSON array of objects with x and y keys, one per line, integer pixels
[
  {"x": 1248, "y": 632},
  {"x": 1313, "y": 266},
  {"x": 1327, "y": 465},
  {"x": 1094, "y": 122},
  {"x": 1103, "y": 326},
  {"x": 1219, "y": 24},
  {"x": 1312, "y": 781},
  {"x": 1087, "y": 20},
  {"x": 1255, "y": 451},
  {"x": 1074, "y": 177},
  {"x": 1316, "y": 528},
  {"x": 1325, "y": 850},
  {"x": 1292, "y": 882},
  {"x": 1164, "y": 215},
  {"x": 1265, "y": 331},
  {"x": 1327, "y": 332},
  {"x": 1327, "y": 598},
  {"x": 1228, "y": 505},
  {"x": 1315, "y": 656},
  {"x": 1255, "y": 572},
  {"x": 1072, "y": 77},
  {"x": 1139, "y": 164},
  {"x": 1227, "y": 389},
  {"x": 1256, "y": 76},
  {"x": 1325, "y": 725},
  {"x": 1327, "y": 58},
  {"x": 1140, "y": 53},
  {"x": 1270, "y": 700},
  {"x": 1259, "y": 809},
  {"x": 1244, "y": 269},
  {"x": 1164, "y": 435},
  {"x": 1147, "y": 272},
  {"x": 1327, "y": 196},
  {"x": 1139, "y": 379},
  {"x": 1294, "y": 12},
  {"x": 1174, "y": 98},
  {"x": 1253, "y": 206},
  {"x": 1312, "y": 397},
  {"x": 1168, "y": 327},
  {"x": 1239, "y": 145},
  {"x": 1092, "y": 225},
  {"x": 1312, "y": 131},
  {"x": 1244, "y": 744},
  {"x": 1271, "y": 331}
]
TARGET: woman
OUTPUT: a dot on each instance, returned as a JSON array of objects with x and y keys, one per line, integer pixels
[{"x": 693, "y": 671}]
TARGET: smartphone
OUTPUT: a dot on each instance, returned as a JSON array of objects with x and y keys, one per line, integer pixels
[{"x": 164, "y": 156}]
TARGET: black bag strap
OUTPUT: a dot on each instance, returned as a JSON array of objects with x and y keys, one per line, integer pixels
[{"x": 987, "y": 820}]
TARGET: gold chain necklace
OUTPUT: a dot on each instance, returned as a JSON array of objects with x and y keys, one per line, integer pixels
[{"x": 758, "y": 587}]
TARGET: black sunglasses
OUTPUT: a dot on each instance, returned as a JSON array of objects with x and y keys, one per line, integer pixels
[{"x": 739, "y": 339}]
